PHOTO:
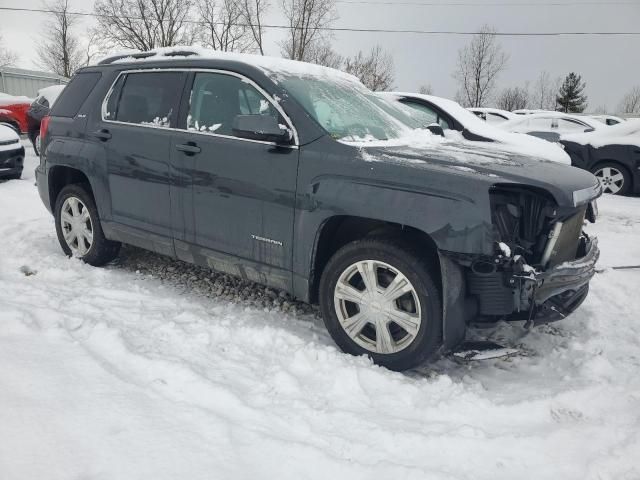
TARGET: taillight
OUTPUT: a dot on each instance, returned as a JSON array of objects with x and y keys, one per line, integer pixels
[{"x": 44, "y": 125}]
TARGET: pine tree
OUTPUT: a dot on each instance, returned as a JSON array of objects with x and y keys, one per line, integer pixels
[{"x": 570, "y": 98}]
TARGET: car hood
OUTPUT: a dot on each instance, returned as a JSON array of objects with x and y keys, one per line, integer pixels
[{"x": 570, "y": 186}]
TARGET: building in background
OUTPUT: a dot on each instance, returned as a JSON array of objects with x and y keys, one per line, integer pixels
[{"x": 17, "y": 81}]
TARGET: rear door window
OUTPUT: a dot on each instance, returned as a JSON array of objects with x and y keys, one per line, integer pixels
[
  {"x": 145, "y": 98},
  {"x": 74, "y": 94}
]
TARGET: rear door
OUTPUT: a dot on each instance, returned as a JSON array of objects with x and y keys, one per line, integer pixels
[
  {"x": 243, "y": 191},
  {"x": 136, "y": 132}
]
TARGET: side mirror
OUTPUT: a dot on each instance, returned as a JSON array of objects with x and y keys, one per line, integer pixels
[
  {"x": 436, "y": 129},
  {"x": 260, "y": 127}
]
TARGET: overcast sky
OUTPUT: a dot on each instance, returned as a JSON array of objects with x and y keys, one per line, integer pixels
[{"x": 608, "y": 64}]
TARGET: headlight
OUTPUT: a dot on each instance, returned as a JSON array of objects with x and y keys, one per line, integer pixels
[{"x": 580, "y": 197}]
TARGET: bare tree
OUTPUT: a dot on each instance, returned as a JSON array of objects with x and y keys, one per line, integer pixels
[
  {"x": 375, "y": 69},
  {"x": 223, "y": 25},
  {"x": 513, "y": 98},
  {"x": 322, "y": 53},
  {"x": 306, "y": 20},
  {"x": 143, "y": 24},
  {"x": 426, "y": 89},
  {"x": 253, "y": 12},
  {"x": 479, "y": 64},
  {"x": 7, "y": 57},
  {"x": 544, "y": 91},
  {"x": 60, "y": 50},
  {"x": 631, "y": 101}
]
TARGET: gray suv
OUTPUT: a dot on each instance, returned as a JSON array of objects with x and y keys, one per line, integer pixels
[{"x": 293, "y": 176}]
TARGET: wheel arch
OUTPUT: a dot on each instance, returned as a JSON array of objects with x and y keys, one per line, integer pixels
[
  {"x": 338, "y": 230},
  {"x": 60, "y": 176}
]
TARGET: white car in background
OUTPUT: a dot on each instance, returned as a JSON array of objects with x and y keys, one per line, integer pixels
[
  {"x": 492, "y": 115},
  {"x": 456, "y": 122},
  {"x": 551, "y": 125},
  {"x": 607, "y": 119},
  {"x": 11, "y": 154}
]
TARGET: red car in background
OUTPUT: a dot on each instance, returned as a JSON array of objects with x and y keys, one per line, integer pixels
[{"x": 13, "y": 111}]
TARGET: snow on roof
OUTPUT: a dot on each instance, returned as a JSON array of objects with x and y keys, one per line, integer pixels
[
  {"x": 604, "y": 118},
  {"x": 270, "y": 65},
  {"x": 51, "y": 93},
  {"x": 497, "y": 111},
  {"x": 526, "y": 118},
  {"x": 625, "y": 133},
  {"x": 529, "y": 111},
  {"x": 6, "y": 99},
  {"x": 514, "y": 142}
]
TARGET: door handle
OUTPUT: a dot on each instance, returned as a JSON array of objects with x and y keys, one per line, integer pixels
[
  {"x": 102, "y": 134},
  {"x": 189, "y": 148}
]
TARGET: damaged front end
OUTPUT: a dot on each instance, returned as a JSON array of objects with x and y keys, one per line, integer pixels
[{"x": 543, "y": 259}]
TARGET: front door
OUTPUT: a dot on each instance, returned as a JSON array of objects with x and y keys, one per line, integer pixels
[{"x": 243, "y": 190}]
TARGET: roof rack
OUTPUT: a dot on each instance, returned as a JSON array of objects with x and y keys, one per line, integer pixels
[{"x": 151, "y": 53}]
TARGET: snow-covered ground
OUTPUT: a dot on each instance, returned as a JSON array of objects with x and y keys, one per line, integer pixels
[{"x": 152, "y": 369}]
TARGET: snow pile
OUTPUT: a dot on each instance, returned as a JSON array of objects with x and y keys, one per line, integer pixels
[
  {"x": 624, "y": 133},
  {"x": 506, "y": 141},
  {"x": 143, "y": 370}
]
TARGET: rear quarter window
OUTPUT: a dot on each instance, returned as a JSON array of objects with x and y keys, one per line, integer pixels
[{"x": 74, "y": 94}]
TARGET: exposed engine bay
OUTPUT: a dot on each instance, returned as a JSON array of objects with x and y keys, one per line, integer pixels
[{"x": 543, "y": 259}]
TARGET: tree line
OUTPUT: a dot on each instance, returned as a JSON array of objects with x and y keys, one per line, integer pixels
[{"x": 238, "y": 26}]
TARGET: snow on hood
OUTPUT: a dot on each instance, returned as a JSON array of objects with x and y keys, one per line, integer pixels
[
  {"x": 270, "y": 65},
  {"x": 8, "y": 134},
  {"x": 518, "y": 143},
  {"x": 625, "y": 133},
  {"x": 51, "y": 93}
]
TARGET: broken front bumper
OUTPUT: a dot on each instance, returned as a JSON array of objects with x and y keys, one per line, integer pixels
[{"x": 559, "y": 291}]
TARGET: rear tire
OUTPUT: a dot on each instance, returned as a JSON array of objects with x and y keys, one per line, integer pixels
[
  {"x": 378, "y": 298},
  {"x": 614, "y": 178},
  {"x": 78, "y": 227}
]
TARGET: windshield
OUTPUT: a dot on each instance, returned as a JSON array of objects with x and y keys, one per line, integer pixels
[{"x": 346, "y": 109}]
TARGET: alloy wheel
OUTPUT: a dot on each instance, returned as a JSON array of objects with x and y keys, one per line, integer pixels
[
  {"x": 611, "y": 179},
  {"x": 377, "y": 306}
]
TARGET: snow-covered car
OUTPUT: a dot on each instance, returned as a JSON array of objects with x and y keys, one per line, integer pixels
[
  {"x": 11, "y": 154},
  {"x": 550, "y": 125},
  {"x": 607, "y": 119},
  {"x": 492, "y": 115},
  {"x": 39, "y": 109},
  {"x": 459, "y": 123},
  {"x": 612, "y": 154}
]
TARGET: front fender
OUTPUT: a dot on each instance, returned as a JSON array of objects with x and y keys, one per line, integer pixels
[{"x": 441, "y": 205}]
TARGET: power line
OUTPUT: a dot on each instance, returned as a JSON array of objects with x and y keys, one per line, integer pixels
[
  {"x": 344, "y": 29},
  {"x": 489, "y": 4}
]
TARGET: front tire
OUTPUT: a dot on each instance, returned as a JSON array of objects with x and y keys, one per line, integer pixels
[
  {"x": 78, "y": 227},
  {"x": 614, "y": 178},
  {"x": 378, "y": 298}
]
